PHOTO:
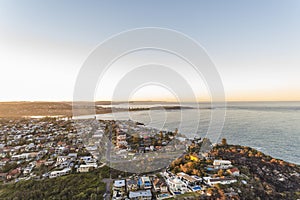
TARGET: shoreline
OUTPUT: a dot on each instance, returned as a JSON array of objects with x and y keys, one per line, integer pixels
[
  {"x": 180, "y": 135},
  {"x": 65, "y": 109}
]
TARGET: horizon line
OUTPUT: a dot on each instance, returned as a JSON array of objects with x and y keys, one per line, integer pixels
[{"x": 123, "y": 101}]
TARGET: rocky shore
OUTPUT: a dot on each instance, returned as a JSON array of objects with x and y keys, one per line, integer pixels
[{"x": 266, "y": 177}]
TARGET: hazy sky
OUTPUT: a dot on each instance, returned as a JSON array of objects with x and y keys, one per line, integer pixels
[{"x": 255, "y": 44}]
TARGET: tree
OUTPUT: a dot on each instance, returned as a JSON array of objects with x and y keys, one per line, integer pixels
[
  {"x": 224, "y": 141},
  {"x": 176, "y": 131},
  {"x": 161, "y": 135},
  {"x": 136, "y": 139},
  {"x": 220, "y": 172}
]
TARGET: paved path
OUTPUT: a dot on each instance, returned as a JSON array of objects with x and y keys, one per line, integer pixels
[{"x": 107, "y": 195}]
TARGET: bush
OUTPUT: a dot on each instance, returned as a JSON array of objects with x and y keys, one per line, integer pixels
[{"x": 74, "y": 186}]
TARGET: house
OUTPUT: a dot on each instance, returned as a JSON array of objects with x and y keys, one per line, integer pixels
[
  {"x": 33, "y": 155},
  {"x": 234, "y": 171},
  {"x": 121, "y": 137},
  {"x": 198, "y": 179},
  {"x": 72, "y": 156},
  {"x": 118, "y": 195},
  {"x": 119, "y": 185},
  {"x": 14, "y": 173},
  {"x": 159, "y": 185},
  {"x": 27, "y": 170},
  {"x": 86, "y": 159},
  {"x": 140, "y": 195},
  {"x": 207, "y": 156},
  {"x": 223, "y": 181},
  {"x": 20, "y": 156},
  {"x": 55, "y": 174},
  {"x": 222, "y": 164},
  {"x": 64, "y": 164},
  {"x": 122, "y": 144},
  {"x": 132, "y": 185},
  {"x": 189, "y": 180},
  {"x": 61, "y": 159},
  {"x": 163, "y": 196},
  {"x": 145, "y": 183},
  {"x": 49, "y": 162},
  {"x": 119, "y": 190},
  {"x": 121, "y": 141},
  {"x": 192, "y": 182},
  {"x": 4, "y": 161},
  {"x": 177, "y": 186},
  {"x": 60, "y": 150},
  {"x": 86, "y": 167}
]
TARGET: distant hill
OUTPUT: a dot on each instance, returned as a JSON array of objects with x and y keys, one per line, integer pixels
[
  {"x": 21, "y": 109},
  {"x": 40, "y": 108}
]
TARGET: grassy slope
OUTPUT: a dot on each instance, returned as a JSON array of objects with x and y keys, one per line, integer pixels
[{"x": 74, "y": 186}]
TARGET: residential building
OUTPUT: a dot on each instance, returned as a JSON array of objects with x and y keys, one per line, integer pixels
[
  {"x": 55, "y": 174},
  {"x": 132, "y": 185},
  {"x": 145, "y": 183},
  {"x": 224, "y": 181},
  {"x": 222, "y": 164},
  {"x": 177, "y": 186},
  {"x": 140, "y": 195},
  {"x": 86, "y": 167},
  {"x": 234, "y": 171},
  {"x": 159, "y": 185},
  {"x": 193, "y": 182}
]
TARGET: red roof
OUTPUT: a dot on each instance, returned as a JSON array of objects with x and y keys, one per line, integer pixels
[
  {"x": 232, "y": 170},
  {"x": 14, "y": 172}
]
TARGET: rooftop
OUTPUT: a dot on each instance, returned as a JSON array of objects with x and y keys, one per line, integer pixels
[
  {"x": 141, "y": 193},
  {"x": 119, "y": 183}
]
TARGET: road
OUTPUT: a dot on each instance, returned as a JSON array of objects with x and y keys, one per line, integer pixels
[{"x": 107, "y": 195}]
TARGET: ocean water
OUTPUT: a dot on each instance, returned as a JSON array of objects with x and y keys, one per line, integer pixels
[{"x": 271, "y": 127}]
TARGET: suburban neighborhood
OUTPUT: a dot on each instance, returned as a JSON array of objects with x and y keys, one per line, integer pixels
[{"x": 48, "y": 148}]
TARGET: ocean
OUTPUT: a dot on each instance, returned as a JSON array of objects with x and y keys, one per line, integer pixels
[{"x": 271, "y": 127}]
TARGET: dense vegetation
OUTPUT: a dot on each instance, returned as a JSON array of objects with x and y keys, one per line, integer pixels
[
  {"x": 74, "y": 186},
  {"x": 262, "y": 177},
  {"x": 267, "y": 177}
]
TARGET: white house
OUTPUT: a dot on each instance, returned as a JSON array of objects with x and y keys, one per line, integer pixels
[
  {"x": 72, "y": 156},
  {"x": 86, "y": 168},
  {"x": 145, "y": 182},
  {"x": 86, "y": 159},
  {"x": 61, "y": 159},
  {"x": 193, "y": 182},
  {"x": 59, "y": 150},
  {"x": 119, "y": 184},
  {"x": 27, "y": 170},
  {"x": 55, "y": 174},
  {"x": 222, "y": 164},
  {"x": 119, "y": 190},
  {"x": 177, "y": 186},
  {"x": 224, "y": 181},
  {"x": 189, "y": 180},
  {"x": 140, "y": 195},
  {"x": 21, "y": 156}
]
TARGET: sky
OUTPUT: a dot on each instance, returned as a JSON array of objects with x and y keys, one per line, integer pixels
[{"x": 255, "y": 45}]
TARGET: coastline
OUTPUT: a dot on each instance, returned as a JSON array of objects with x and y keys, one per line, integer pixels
[
  {"x": 64, "y": 109},
  {"x": 16, "y": 110},
  {"x": 259, "y": 175}
]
